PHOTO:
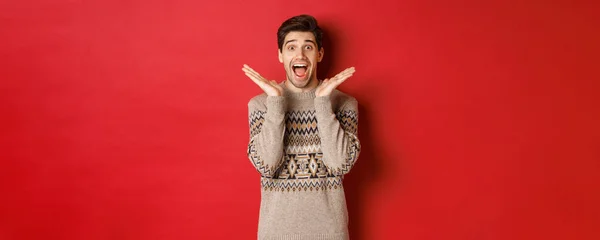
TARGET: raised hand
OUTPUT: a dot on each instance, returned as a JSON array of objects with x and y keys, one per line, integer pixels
[
  {"x": 327, "y": 86},
  {"x": 271, "y": 87}
]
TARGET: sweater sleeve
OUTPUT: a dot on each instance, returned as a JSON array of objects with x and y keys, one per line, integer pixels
[
  {"x": 338, "y": 133},
  {"x": 267, "y": 129}
]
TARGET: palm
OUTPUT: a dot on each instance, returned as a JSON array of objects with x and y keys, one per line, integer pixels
[
  {"x": 270, "y": 87},
  {"x": 327, "y": 86}
]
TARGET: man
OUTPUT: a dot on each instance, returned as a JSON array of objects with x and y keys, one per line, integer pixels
[{"x": 302, "y": 140}]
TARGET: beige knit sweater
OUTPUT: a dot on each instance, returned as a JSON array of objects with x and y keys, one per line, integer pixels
[{"x": 302, "y": 145}]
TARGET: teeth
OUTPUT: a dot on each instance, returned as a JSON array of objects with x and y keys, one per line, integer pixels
[{"x": 299, "y": 65}]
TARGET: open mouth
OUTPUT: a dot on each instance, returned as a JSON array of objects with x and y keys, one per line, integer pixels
[{"x": 299, "y": 70}]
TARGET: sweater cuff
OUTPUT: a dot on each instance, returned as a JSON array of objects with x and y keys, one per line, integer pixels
[
  {"x": 323, "y": 104},
  {"x": 276, "y": 105}
]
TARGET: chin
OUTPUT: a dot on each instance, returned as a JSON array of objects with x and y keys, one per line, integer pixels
[{"x": 300, "y": 83}]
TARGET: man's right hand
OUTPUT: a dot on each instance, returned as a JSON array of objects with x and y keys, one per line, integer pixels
[{"x": 271, "y": 87}]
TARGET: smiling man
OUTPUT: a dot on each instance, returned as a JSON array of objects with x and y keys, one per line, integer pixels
[{"x": 302, "y": 140}]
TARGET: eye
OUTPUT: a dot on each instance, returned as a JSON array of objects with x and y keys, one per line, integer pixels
[
  {"x": 291, "y": 48},
  {"x": 308, "y": 47}
]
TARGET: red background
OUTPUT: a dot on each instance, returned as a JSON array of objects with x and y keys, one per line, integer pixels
[{"x": 128, "y": 119}]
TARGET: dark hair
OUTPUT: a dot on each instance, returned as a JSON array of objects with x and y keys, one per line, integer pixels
[{"x": 301, "y": 23}]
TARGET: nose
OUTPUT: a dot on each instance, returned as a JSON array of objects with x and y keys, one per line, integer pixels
[{"x": 300, "y": 55}]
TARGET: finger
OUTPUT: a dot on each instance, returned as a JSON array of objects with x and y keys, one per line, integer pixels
[
  {"x": 256, "y": 80},
  {"x": 350, "y": 70},
  {"x": 247, "y": 68},
  {"x": 344, "y": 74},
  {"x": 342, "y": 77},
  {"x": 347, "y": 71},
  {"x": 337, "y": 80},
  {"x": 254, "y": 74}
]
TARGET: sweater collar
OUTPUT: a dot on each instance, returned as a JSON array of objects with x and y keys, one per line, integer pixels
[{"x": 300, "y": 95}]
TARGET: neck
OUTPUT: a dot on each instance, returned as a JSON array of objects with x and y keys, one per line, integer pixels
[{"x": 312, "y": 85}]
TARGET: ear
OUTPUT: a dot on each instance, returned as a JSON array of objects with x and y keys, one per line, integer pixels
[
  {"x": 321, "y": 53},
  {"x": 279, "y": 55}
]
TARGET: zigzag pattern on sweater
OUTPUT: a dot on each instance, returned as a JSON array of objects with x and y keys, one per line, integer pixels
[
  {"x": 292, "y": 149},
  {"x": 256, "y": 120},
  {"x": 293, "y": 185},
  {"x": 351, "y": 157},
  {"x": 301, "y": 123},
  {"x": 301, "y": 132},
  {"x": 349, "y": 120},
  {"x": 261, "y": 167}
]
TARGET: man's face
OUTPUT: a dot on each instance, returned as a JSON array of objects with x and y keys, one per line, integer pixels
[{"x": 299, "y": 55}]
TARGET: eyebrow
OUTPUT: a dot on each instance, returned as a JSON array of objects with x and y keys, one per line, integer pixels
[
  {"x": 289, "y": 41},
  {"x": 294, "y": 40}
]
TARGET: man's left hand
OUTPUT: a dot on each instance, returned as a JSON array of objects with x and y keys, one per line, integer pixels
[{"x": 327, "y": 86}]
